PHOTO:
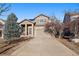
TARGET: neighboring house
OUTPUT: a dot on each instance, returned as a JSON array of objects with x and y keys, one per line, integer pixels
[
  {"x": 28, "y": 28},
  {"x": 70, "y": 17},
  {"x": 71, "y": 20},
  {"x": 2, "y": 22}
]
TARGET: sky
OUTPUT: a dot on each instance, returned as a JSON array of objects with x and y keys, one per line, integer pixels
[{"x": 31, "y": 10}]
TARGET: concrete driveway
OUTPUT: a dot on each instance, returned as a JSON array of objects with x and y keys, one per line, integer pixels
[{"x": 43, "y": 45}]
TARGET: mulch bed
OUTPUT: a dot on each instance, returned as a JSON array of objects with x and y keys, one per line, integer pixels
[{"x": 71, "y": 45}]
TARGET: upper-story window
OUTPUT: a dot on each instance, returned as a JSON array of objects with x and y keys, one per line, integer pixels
[{"x": 42, "y": 20}]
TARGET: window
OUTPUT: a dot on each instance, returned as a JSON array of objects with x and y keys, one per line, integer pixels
[{"x": 42, "y": 21}]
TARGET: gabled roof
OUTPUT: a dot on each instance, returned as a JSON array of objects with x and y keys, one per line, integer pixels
[
  {"x": 41, "y": 15},
  {"x": 26, "y": 20},
  {"x": 72, "y": 14},
  {"x": 31, "y": 19},
  {"x": 68, "y": 15},
  {"x": 3, "y": 20}
]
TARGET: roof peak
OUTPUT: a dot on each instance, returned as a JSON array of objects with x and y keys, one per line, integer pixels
[
  {"x": 2, "y": 20},
  {"x": 42, "y": 15},
  {"x": 71, "y": 14},
  {"x": 26, "y": 20}
]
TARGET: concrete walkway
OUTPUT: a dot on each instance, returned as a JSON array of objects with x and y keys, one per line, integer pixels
[{"x": 43, "y": 45}]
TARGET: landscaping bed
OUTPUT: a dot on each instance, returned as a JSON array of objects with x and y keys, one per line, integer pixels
[
  {"x": 7, "y": 49},
  {"x": 71, "y": 45}
]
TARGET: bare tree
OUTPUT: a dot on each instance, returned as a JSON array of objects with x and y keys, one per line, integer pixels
[
  {"x": 54, "y": 26},
  {"x": 4, "y": 8},
  {"x": 53, "y": 18}
]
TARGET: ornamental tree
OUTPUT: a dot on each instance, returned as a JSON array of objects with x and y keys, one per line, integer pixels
[{"x": 12, "y": 30}]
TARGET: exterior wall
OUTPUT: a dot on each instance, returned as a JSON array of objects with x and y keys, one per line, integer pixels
[
  {"x": 41, "y": 20},
  {"x": 1, "y": 28},
  {"x": 26, "y": 23}
]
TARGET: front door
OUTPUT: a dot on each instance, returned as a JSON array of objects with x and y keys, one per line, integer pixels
[{"x": 29, "y": 29}]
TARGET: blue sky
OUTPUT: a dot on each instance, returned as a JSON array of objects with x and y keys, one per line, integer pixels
[{"x": 31, "y": 10}]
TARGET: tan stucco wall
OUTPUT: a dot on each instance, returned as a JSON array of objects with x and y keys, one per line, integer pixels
[{"x": 37, "y": 20}]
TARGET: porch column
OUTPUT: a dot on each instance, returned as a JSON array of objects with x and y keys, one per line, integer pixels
[
  {"x": 2, "y": 34},
  {"x": 32, "y": 30},
  {"x": 25, "y": 29}
]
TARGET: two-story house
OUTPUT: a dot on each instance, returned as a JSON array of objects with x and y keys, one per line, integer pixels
[
  {"x": 71, "y": 21},
  {"x": 29, "y": 25}
]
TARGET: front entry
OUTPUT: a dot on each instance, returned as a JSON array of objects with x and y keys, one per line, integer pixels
[{"x": 29, "y": 29}]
